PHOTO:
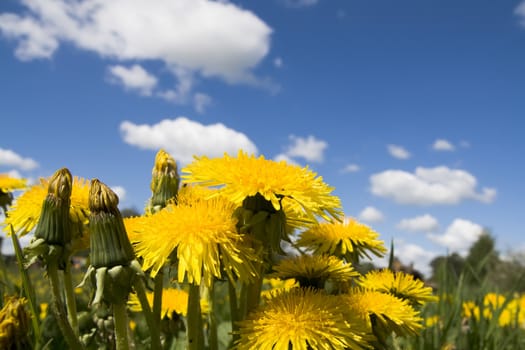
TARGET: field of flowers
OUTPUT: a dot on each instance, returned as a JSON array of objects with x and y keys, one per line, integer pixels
[{"x": 231, "y": 253}]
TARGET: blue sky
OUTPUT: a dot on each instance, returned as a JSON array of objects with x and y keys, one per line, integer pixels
[{"x": 411, "y": 109}]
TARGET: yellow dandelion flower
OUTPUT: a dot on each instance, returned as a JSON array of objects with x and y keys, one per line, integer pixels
[
  {"x": 245, "y": 176},
  {"x": 272, "y": 285},
  {"x": 8, "y": 183},
  {"x": 201, "y": 233},
  {"x": 349, "y": 239},
  {"x": 432, "y": 320},
  {"x": 399, "y": 284},
  {"x": 384, "y": 313},
  {"x": 14, "y": 324},
  {"x": 174, "y": 302},
  {"x": 301, "y": 319},
  {"x": 470, "y": 310},
  {"x": 314, "y": 270},
  {"x": 25, "y": 212}
]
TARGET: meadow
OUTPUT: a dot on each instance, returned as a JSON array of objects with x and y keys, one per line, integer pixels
[{"x": 235, "y": 253}]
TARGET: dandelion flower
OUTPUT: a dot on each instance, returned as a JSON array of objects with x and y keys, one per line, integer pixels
[
  {"x": 314, "y": 270},
  {"x": 349, "y": 239},
  {"x": 14, "y": 324},
  {"x": 301, "y": 319},
  {"x": 202, "y": 235},
  {"x": 7, "y": 185},
  {"x": 399, "y": 284},
  {"x": 384, "y": 313},
  {"x": 174, "y": 302},
  {"x": 245, "y": 176},
  {"x": 25, "y": 212},
  {"x": 272, "y": 285}
]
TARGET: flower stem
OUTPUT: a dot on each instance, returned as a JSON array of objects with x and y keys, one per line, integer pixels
[
  {"x": 194, "y": 319},
  {"x": 213, "y": 337},
  {"x": 58, "y": 308},
  {"x": 26, "y": 283},
  {"x": 121, "y": 326},
  {"x": 234, "y": 308},
  {"x": 157, "y": 295},
  {"x": 70, "y": 298},
  {"x": 146, "y": 309}
]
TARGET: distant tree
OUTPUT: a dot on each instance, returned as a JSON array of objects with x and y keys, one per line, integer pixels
[
  {"x": 452, "y": 265},
  {"x": 482, "y": 259},
  {"x": 129, "y": 212}
]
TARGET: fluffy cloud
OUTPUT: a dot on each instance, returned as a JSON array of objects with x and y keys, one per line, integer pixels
[
  {"x": 428, "y": 186},
  {"x": 458, "y": 236},
  {"x": 133, "y": 78},
  {"x": 398, "y": 152},
  {"x": 423, "y": 223},
  {"x": 10, "y": 158},
  {"x": 442, "y": 145},
  {"x": 310, "y": 148},
  {"x": 184, "y": 138},
  {"x": 201, "y": 102},
  {"x": 204, "y": 37},
  {"x": 351, "y": 168},
  {"x": 371, "y": 214}
]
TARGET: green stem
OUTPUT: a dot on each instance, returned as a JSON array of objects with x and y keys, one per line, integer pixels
[
  {"x": 157, "y": 295},
  {"x": 120, "y": 318},
  {"x": 234, "y": 309},
  {"x": 58, "y": 308},
  {"x": 213, "y": 338},
  {"x": 146, "y": 310},
  {"x": 26, "y": 283},
  {"x": 194, "y": 319},
  {"x": 70, "y": 298}
]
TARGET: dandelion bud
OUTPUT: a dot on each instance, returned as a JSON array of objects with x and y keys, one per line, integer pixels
[
  {"x": 54, "y": 225},
  {"x": 110, "y": 245},
  {"x": 164, "y": 181}
]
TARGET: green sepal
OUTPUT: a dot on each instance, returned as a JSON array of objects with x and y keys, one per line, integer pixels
[
  {"x": 110, "y": 244},
  {"x": 54, "y": 224}
]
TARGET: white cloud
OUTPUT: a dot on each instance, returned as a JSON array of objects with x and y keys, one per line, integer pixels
[
  {"x": 428, "y": 186},
  {"x": 120, "y": 192},
  {"x": 442, "y": 145},
  {"x": 184, "y": 138},
  {"x": 10, "y": 158},
  {"x": 423, "y": 223},
  {"x": 520, "y": 11},
  {"x": 201, "y": 102},
  {"x": 203, "y": 37},
  {"x": 398, "y": 152},
  {"x": 371, "y": 214},
  {"x": 133, "y": 78},
  {"x": 351, "y": 168},
  {"x": 310, "y": 148},
  {"x": 458, "y": 236}
]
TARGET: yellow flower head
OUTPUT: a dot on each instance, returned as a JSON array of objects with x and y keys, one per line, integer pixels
[
  {"x": 14, "y": 324},
  {"x": 301, "y": 319},
  {"x": 8, "y": 183},
  {"x": 399, "y": 284},
  {"x": 25, "y": 212},
  {"x": 202, "y": 234},
  {"x": 174, "y": 302},
  {"x": 315, "y": 270},
  {"x": 383, "y": 312},
  {"x": 272, "y": 285},
  {"x": 245, "y": 176},
  {"x": 349, "y": 239}
]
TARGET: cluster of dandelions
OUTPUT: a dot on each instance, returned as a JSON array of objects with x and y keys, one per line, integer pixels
[{"x": 240, "y": 221}]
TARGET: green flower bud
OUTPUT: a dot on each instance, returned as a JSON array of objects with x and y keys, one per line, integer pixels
[
  {"x": 54, "y": 225},
  {"x": 110, "y": 244},
  {"x": 165, "y": 182}
]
